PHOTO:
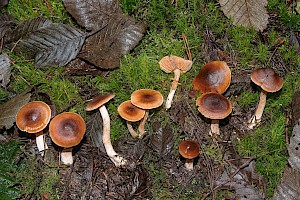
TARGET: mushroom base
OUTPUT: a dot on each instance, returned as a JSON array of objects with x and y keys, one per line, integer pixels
[
  {"x": 256, "y": 118},
  {"x": 40, "y": 142},
  {"x": 214, "y": 127},
  {"x": 189, "y": 164},
  {"x": 66, "y": 156}
]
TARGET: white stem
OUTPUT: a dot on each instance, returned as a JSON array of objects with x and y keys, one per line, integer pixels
[
  {"x": 131, "y": 130},
  {"x": 214, "y": 127},
  {"x": 189, "y": 165},
  {"x": 173, "y": 88},
  {"x": 255, "y": 119},
  {"x": 142, "y": 124},
  {"x": 66, "y": 156},
  {"x": 40, "y": 142},
  {"x": 115, "y": 158}
]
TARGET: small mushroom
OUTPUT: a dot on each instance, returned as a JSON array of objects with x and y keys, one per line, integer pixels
[
  {"x": 146, "y": 99},
  {"x": 131, "y": 113},
  {"x": 215, "y": 107},
  {"x": 189, "y": 149},
  {"x": 67, "y": 130},
  {"x": 178, "y": 65},
  {"x": 269, "y": 81},
  {"x": 214, "y": 76},
  {"x": 33, "y": 118},
  {"x": 99, "y": 102}
]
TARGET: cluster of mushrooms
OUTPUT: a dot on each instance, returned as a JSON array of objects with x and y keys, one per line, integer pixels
[
  {"x": 212, "y": 81},
  {"x": 67, "y": 129}
]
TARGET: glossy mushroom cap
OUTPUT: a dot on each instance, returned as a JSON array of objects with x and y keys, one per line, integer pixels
[
  {"x": 147, "y": 98},
  {"x": 189, "y": 149},
  {"x": 98, "y": 101},
  {"x": 130, "y": 112},
  {"x": 33, "y": 117},
  {"x": 67, "y": 129},
  {"x": 214, "y": 76},
  {"x": 267, "y": 79},
  {"x": 213, "y": 105}
]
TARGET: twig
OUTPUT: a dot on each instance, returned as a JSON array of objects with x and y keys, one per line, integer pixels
[{"x": 186, "y": 45}]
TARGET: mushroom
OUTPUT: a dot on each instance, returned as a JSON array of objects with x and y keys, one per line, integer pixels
[
  {"x": 269, "y": 81},
  {"x": 33, "y": 118},
  {"x": 215, "y": 107},
  {"x": 178, "y": 65},
  {"x": 214, "y": 76},
  {"x": 99, "y": 102},
  {"x": 130, "y": 113},
  {"x": 189, "y": 149},
  {"x": 146, "y": 99},
  {"x": 67, "y": 130}
]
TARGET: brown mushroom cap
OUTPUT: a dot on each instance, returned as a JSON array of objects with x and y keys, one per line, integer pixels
[
  {"x": 166, "y": 65},
  {"x": 214, "y": 76},
  {"x": 98, "y": 101},
  {"x": 33, "y": 117},
  {"x": 147, "y": 98},
  {"x": 213, "y": 105},
  {"x": 189, "y": 149},
  {"x": 130, "y": 112},
  {"x": 181, "y": 63},
  {"x": 67, "y": 129},
  {"x": 267, "y": 79}
]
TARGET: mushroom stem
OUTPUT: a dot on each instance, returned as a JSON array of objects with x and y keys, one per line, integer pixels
[
  {"x": 214, "y": 127},
  {"x": 115, "y": 158},
  {"x": 255, "y": 119},
  {"x": 142, "y": 124},
  {"x": 131, "y": 130},
  {"x": 66, "y": 156},
  {"x": 173, "y": 88},
  {"x": 189, "y": 164},
  {"x": 40, "y": 142}
]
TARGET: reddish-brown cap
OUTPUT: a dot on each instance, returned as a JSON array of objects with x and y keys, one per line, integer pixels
[
  {"x": 213, "y": 105},
  {"x": 33, "y": 117},
  {"x": 181, "y": 63},
  {"x": 214, "y": 76},
  {"x": 267, "y": 79},
  {"x": 166, "y": 65},
  {"x": 99, "y": 101},
  {"x": 147, "y": 98},
  {"x": 130, "y": 112},
  {"x": 67, "y": 129},
  {"x": 189, "y": 149}
]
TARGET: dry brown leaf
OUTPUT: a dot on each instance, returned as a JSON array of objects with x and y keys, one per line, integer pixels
[{"x": 249, "y": 13}]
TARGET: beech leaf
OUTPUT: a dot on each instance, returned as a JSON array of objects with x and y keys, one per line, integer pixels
[
  {"x": 9, "y": 109},
  {"x": 4, "y": 69},
  {"x": 249, "y": 13},
  {"x": 105, "y": 48},
  {"x": 50, "y": 43},
  {"x": 6, "y": 23},
  {"x": 294, "y": 148},
  {"x": 92, "y": 14}
]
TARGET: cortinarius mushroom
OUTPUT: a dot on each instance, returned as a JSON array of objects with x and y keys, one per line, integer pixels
[
  {"x": 214, "y": 76},
  {"x": 67, "y": 130},
  {"x": 215, "y": 107},
  {"x": 33, "y": 118},
  {"x": 146, "y": 99},
  {"x": 178, "y": 65},
  {"x": 98, "y": 102},
  {"x": 269, "y": 81},
  {"x": 131, "y": 113},
  {"x": 189, "y": 149}
]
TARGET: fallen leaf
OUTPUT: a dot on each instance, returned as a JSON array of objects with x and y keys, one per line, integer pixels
[
  {"x": 92, "y": 14},
  {"x": 50, "y": 43},
  {"x": 241, "y": 181},
  {"x": 6, "y": 23},
  {"x": 288, "y": 188},
  {"x": 4, "y": 69},
  {"x": 294, "y": 42},
  {"x": 81, "y": 67},
  {"x": 294, "y": 148},
  {"x": 105, "y": 48},
  {"x": 9, "y": 109},
  {"x": 94, "y": 131},
  {"x": 249, "y": 13},
  {"x": 296, "y": 108},
  {"x": 163, "y": 139},
  {"x": 131, "y": 147}
]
